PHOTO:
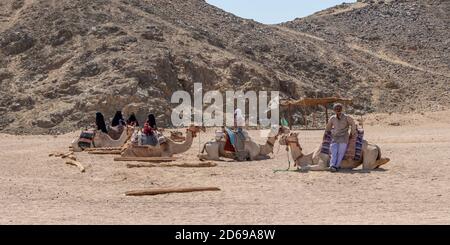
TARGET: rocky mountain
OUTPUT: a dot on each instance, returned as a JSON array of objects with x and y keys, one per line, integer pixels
[{"x": 61, "y": 61}]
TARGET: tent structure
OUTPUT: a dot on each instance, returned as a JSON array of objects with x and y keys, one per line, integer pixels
[{"x": 310, "y": 102}]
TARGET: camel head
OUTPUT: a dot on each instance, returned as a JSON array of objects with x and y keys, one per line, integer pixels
[
  {"x": 276, "y": 131},
  {"x": 196, "y": 129},
  {"x": 283, "y": 130},
  {"x": 287, "y": 140}
]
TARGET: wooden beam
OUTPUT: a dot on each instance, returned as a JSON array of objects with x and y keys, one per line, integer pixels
[
  {"x": 181, "y": 165},
  {"x": 290, "y": 117},
  {"x": 103, "y": 149},
  {"x": 115, "y": 152},
  {"x": 305, "y": 122},
  {"x": 76, "y": 163},
  {"x": 314, "y": 124},
  {"x": 146, "y": 159},
  {"x": 158, "y": 191}
]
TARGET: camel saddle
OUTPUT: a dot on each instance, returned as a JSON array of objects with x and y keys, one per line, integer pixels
[
  {"x": 235, "y": 142},
  {"x": 86, "y": 139}
]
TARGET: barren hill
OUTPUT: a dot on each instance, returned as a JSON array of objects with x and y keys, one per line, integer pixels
[{"x": 61, "y": 61}]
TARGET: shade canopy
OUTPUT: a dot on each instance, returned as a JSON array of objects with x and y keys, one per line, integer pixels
[{"x": 316, "y": 101}]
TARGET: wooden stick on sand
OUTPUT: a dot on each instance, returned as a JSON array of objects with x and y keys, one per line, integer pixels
[
  {"x": 103, "y": 149},
  {"x": 158, "y": 191},
  {"x": 182, "y": 165},
  {"x": 146, "y": 159},
  {"x": 76, "y": 163},
  {"x": 115, "y": 152}
]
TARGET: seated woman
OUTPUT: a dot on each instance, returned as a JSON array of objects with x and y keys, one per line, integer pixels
[
  {"x": 117, "y": 126},
  {"x": 132, "y": 120},
  {"x": 151, "y": 120},
  {"x": 117, "y": 119},
  {"x": 100, "y": 122},
  {"x": 149, "y": 136},
  {"x": 149, "y": 133}
]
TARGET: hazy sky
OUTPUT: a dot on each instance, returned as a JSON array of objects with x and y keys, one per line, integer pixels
[{"x": 274, "y": 11}]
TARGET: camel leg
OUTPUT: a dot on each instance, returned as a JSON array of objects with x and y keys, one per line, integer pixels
[
  {"x": 259, "y": 158},
  {"x": 382, "y": 161},
  {"x": 212, "y": 152},
  {"x": 318, "y": 167},
  {"x": 370, "y": 154},
  {"x": 75, "y": 146}
]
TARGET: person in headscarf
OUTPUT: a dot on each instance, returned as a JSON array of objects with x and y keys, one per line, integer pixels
[
  {"x": 132, "y": 120},
  {"x": 118, "y": 119},
  {"x": 152, "y": 121},
  {"x": 339, "y": 125},
  {"x": 149, "y": 131},
  {"x": 100, "y": 122},
  {"x": 239, "y": 120}
]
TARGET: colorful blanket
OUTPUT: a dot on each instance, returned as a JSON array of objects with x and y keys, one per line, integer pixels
[
  {"x": 359, "y": 145},
  {"x": 326, "y": 142},
  {"x": 354, "y": 148},
  {"x": 86, "y": 139}
]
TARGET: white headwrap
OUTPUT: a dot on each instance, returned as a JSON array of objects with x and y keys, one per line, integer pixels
[{"x": 240, "y": 120}]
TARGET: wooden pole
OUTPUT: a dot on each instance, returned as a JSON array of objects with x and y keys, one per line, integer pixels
[
  {"x": 158, "y": 191},
  {"x": 105, "y": 152},
  {"x": 76, "y": 163},
  {"x": 181, "y": 165},
  {"x": 326, "y": 115},
  {"x": 103, "y": 149},
  {"x": 304, "y": 118},
  {"x": 290, "y": 116},
  {"x": 146, "y": 159},
  {"x": 314, "y": 120}
]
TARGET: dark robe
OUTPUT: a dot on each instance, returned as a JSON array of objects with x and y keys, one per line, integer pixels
[
  {"x": 100, "y": 122},
  {"x": 132, "y": 120},
  {"x": 117, "y": 119},
  {"x": 152, "y": 121}
]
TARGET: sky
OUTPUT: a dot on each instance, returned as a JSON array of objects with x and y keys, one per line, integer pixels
[{"x": 274, "y": 11}]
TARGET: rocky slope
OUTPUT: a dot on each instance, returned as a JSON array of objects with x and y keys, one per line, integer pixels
[
  {"x": 61, "y": 61},
  {"x": 404, "y": 47}
]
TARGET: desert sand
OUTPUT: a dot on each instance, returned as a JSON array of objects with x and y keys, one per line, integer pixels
[{"x": 414, "y": 188}]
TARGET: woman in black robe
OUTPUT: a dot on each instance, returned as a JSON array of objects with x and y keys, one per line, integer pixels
[
  {"x": 152, "y": 121},
  {"x": 117, "y": 119},
  {"x": 100, "y": 122},
  {"x": 132, "y": 120}
]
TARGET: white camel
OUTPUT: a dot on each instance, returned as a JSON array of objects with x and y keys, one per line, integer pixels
[
  {"x": 216, "y": 148},
  {"x": 318, "y": 161}
]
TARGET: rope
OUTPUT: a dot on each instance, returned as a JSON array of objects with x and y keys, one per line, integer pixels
[
  {"x": 289, "y": 163},
  {"x": 199, "y": 144}
]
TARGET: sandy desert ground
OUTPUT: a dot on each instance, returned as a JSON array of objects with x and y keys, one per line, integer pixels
[{"x": 414, "y": 188}]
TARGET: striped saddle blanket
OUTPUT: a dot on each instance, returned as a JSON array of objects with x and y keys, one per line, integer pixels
[
  {"x": 354, "y": 148},
  {"x": 86, "y": 139}
]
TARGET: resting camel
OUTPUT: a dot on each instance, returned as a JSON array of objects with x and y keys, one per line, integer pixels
[
  {"x": 317, "y": 161},
  {"x": 216, "y": 149},
  {"x": 165, "y": 148},
  {"x": 104, "y": 140}
]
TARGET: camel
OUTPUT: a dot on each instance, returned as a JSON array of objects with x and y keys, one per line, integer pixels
[
  {"x": 317, "y": 161},
  {"x": 216, "y": 148},
  {"x": 166, "y": 147},
  {"x": 101, "y": 139}
]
